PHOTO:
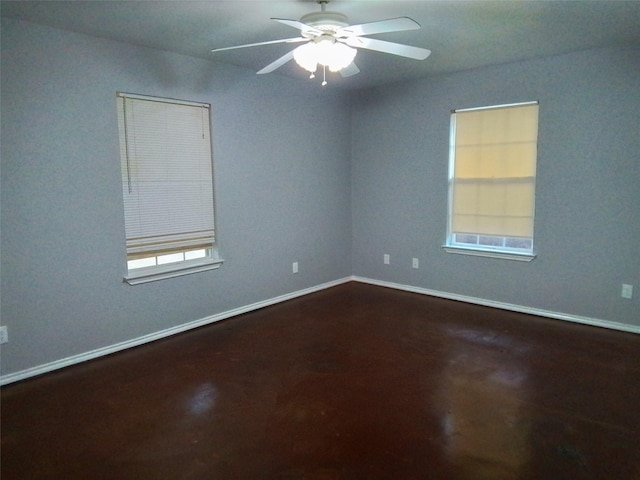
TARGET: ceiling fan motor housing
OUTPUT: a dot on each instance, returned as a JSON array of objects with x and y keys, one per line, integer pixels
[{"x": 325, "y": 21}]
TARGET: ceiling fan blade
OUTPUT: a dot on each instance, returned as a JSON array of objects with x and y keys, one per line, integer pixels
[
  {"x": 284, "y": 40},
  {"x": 399, "y": 24},
  {"x": 349, "y": 70},
  {"x": 408, "y": 51},
  {"x": 303, "y": 27},
  {"x": 277, "y": 64}
]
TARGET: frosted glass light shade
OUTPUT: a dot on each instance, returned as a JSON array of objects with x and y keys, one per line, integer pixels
[
  {"x": 328, "y": 53},
  {"x": 305, "y": 56}
]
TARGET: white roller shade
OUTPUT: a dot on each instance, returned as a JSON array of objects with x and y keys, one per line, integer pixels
[
  {"x": 494, "y": 171},
  {"x": 167, "y": 186}
]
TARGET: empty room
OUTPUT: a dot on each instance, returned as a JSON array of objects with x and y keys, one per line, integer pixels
[{"x": 320, "y": 240}]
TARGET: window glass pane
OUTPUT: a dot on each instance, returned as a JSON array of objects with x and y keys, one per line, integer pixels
[
  {"x": 141, "y": 263},
  {"x": 170, "y": 258},
  {"x": 194, "y": 254},
  {"x": 521, "y": 243},
  {"x": 491, "y": 241},
  {"x": 468, "y": 239}
]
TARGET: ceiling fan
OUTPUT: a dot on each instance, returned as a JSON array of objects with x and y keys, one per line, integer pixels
[{"x": 330, "y": 42}]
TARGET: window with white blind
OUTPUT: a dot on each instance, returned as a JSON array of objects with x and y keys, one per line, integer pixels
[
  {"x": 492, "y": 176},
  {"x": 167, "y": 187}
]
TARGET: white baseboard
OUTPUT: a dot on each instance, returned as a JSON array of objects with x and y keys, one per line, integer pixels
[
  {"x": 100, "y": 352},
  {"x": 505, "y": 306}
]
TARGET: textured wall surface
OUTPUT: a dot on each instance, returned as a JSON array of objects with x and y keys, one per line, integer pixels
[
  {"x": 282, "y": 188},
  {"x": 330, "y": 179},
  {"x": 587, "y": 224}
]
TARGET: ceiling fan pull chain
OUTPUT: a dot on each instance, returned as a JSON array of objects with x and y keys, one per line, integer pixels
[{"x": 324, "y": 75}]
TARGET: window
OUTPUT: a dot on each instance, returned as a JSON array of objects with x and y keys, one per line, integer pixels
[
  {"x": 492, "y": 173},
  {"x": 167, "y": 187}
]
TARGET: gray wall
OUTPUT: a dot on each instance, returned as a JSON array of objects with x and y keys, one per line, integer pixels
[
  {"x": 329, "y": 179},
  {"x": 587, "y": 225},
  {"x": 281, "y": 153}
]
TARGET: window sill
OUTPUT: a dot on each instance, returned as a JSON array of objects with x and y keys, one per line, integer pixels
[
  {"x": 162, "y": 272},
  {"x": 521, "y": 257}
]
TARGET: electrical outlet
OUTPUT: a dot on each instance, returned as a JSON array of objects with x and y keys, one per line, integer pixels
[
  {"x": 294, "y": 267},
  {"x": 627, "y": 291},
  {"x": 4, "y": 334},
  {"x": 415, "y": 263},
  {"x": 386, "y": 259}
]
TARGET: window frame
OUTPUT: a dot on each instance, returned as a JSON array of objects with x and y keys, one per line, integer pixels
[
  {"x": 210, "y": 259},
  {"x": 501, "y": 252}
]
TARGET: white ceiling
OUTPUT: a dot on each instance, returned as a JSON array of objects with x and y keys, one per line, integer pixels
[{"x": 460, "y": 34}]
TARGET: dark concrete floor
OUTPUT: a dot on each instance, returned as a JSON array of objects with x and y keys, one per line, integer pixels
[{"x": 354, "y": 382}]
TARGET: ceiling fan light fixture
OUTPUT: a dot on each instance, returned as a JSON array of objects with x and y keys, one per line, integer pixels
[
  {"x": 305, "y": 56},
  {"x": 329, "y": 41},
  {"x": 326, "y": 52},
  {"x": 335, "y": 55}
]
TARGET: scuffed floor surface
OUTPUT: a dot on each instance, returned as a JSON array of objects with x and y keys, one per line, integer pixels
[{"x": 354, "y": 382}]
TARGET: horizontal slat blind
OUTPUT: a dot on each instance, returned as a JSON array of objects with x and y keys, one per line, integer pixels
[
  {"x": 166, "y": 174},
  {"x": 494, "y": 171}
]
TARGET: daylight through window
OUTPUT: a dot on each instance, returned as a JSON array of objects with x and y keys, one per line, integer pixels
[{"x": 492, "y": 175}]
